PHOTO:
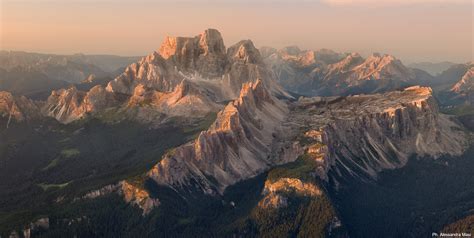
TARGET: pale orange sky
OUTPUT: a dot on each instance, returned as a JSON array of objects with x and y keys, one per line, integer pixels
[{"x": 413, "y": 30}]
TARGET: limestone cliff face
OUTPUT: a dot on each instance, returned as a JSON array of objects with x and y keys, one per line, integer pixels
[
  {"x": 186, "y": 76},
  {"x": 276, "y": 192},
  {"x": 362, "y": 135},
  {"x": 465, "y": 86},
  {"x": 131, "y": 194},
  {"x": 379, "y": 67},
  {"x": 202, "y": 59},
  {"x": 17, "y": 108},
  {"x": 187, "y": 99},
  {"x": 205, "y": 53},
  {"x": 138, "y": 196},
  {"x": 67, "y": 105},
  {"x": 237, "y": 146},
  {"x": 326, "y": 73}
]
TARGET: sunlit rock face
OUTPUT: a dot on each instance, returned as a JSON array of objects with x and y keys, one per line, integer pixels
[
  {"x": 67, "y": 105},
  {"x": 186, "y": 76},
  {"x": 17, "y": 108},
  {"x": 187, "y": 99},
  {"x": 131, "y": 193},
  {"x": 138, "y": 196},
  {"x": 345, "y": 136},
  {"x": 362, "y": 135},
  {"x": 276, "y": 192},
  {"x": 465, "y": 86},
  {"x": 202, "y": 59},
  {"x": 237, "y": 146},
  {"x": 204, "y": 54},
  {"x": 326, "y": 73}
]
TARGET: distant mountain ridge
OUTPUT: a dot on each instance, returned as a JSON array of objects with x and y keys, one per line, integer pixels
[
  {"x": 432, "y": 68},
  {"x": 325, "y": 72}
]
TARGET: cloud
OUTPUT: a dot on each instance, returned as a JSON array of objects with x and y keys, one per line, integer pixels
[{"x": 376, "y": 3}]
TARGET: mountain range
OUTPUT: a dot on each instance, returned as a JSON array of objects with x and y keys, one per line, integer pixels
[{"x": 200, "y": 140}]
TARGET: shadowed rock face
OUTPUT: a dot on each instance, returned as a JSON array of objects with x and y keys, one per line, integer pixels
[
  {"x": 355, "y": 136},
  {"x": 326, "y": 73},
  {"x": 362, "y": 135},
  {"x": 237, "y": 146}
]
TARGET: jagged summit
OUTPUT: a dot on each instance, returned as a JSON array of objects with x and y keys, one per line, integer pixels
[
  {"x": 17, "y": 108},
  {"x": 245, "y": 52},
  {"x": 235, "y": 147},
  {"x": 163, "y": 78},
  {"x": 325, "y": 72},
  {"x": 466, "y": 84},
  {"x": 379, "y": 66},
  {"x": 204, "y": 53},
  {"x": 67, "y": 105}
]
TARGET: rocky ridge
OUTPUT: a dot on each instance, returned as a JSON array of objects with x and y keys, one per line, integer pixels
[
  {"x": 237, "y": 146},
  {"x": 362, "y": 135},
  {"x": 186, "y": 76},
  {"x": 17, "y": 108},
  {"x": 466, "y": 84},
  {"x": 356, "y": 136},
  {"x": 131, "y": 194},
  {"x": 326, "y": 73}
]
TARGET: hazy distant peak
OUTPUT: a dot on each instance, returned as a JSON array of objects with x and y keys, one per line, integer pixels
[
  {"x": 245, "y": 51},
  {"x": 291, "y": 50},
  {"x": 266, "y": 51}
]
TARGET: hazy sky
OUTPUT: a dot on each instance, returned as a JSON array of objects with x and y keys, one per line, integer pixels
[{"x": 413, "y": 30}]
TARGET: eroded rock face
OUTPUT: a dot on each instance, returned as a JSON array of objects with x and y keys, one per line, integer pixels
[
  {"x": 17, "y": 108},
  {"x": 187, "y": 99},
  {"x": 131, "y": 194},
  {"x": 139, "y": 197},
  {"x": 237, "y": 146},
  {"x": 187, "y": 76},
  {"x": 326, "y": 73},
  {"x": 465, "y": 86},
  {"x": 67, "y": 105},
  {"x": 276, "y": 192},
  {"x": 202, "y": 59},
  {"x": 362, "y": 135}
]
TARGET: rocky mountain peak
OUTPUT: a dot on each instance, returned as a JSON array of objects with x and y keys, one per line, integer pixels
[
  {"x": 186, "y": 74},
  {"x": 379, "y": 66},
  {"x": 17, "y": 108},
  {"x": 211, "y": 42},
  {"x": 466, "y": 84},
  {"x": 204, "y": 53},
  {"x": 235, "y": 147},
  {"x": 67, "y": 105},
  {"x": 290, "y": 50},
  {"x": 245, "y": 51},
  {"x": 347, "y": 63}
]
